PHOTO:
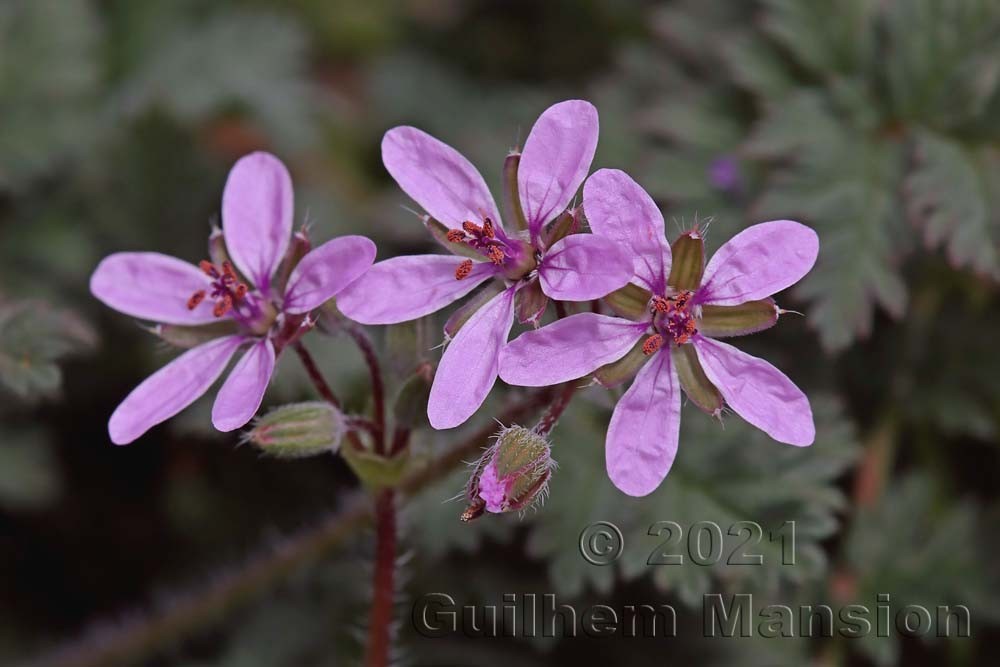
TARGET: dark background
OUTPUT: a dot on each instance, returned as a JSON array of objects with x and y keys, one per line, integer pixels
[{"x": 876, "y": 123}]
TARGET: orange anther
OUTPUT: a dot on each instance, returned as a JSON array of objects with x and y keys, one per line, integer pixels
[
  {"x": 463, "y": 270},
  {"x": 196, "y": 299},
  {"x": 652, "y": 344}
]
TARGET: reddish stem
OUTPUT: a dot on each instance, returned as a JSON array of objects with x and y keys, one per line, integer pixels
[
  {"x": 378, "y": 388},
  {"x": 556, "y": 408},
  {"x": 383, "y": 597},
  {"x": 315, "y": 375}
]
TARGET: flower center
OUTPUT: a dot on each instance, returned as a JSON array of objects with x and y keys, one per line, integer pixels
[
  {"x": 673, "y": 319},
  {"x": 483, "y": 238},
  {"x": 226, "y": 289}
]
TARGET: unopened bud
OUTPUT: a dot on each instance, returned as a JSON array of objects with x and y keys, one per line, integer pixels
[
  {"x": 511, "y": 475},
  {"x": 299, "y": 430}
]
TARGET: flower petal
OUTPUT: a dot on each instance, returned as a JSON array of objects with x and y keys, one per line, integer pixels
[
  {"x": 151, "y": 286},
  {"x": 643, "y": 433},
  {"x": 567, "y": 349},
  {"x": 242, "y": 392},
  {"x": 326, "y": 270},
  {"x": 555, "y": 160},
  {"x": 758, "y": 392},
  {"x": 758, "y": 262},
  {"x": 620, "y": 210},
  {"x": 171, "y": 389},
  {"x": 437, "y": 177},
  {"x": 469, "y": 366},
  {"x": 257, "y": 208},
  {"x": 405, "y": 288},
  {"x": 581, "y": 267}
]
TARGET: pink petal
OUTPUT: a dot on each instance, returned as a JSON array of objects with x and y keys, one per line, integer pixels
[
  {"x": 642, "y": 435},
  {"x": 171, "y": 389},
  {"x": 758, "y": 392},
  {"x": 257, "y": 209},
  {"x": 567, "y": 349},
  {"x": 242, "y": 392},
  {"x": 151, "y": 286},
  {"x": 581, "y": 267},
  {"x": 469, "y": 366},
  {"x": 620, "y": 210},
  {"x": 555, "y": 160},
  {"x": 326, "y": 270},
  {"x": 405, "y": 288},
  {"x": 437, "y": 177},
  {"x": 758, "y": 262}
]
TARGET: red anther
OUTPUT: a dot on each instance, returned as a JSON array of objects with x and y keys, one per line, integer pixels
[
  {"x": 208, "y": 269},
  {"x": 488, "y": 230},
  {"x": 196, "y": 299},
  {"x": 496, "y": 254},
  {"x": 652, "y": 344},
  {"x": 223, "y": 305},
  {"x": 456, "y": 235},
  {"x": 227, "y": 270},
  {"x": 681, "y": 299},
  {"x": 463, "y": 270},
  {"x": 661, "y": 304},
  {"x": 241, "y": 291},
  {"x": 471, "y": 227}
]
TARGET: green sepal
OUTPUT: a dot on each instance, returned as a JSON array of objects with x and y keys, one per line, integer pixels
[
  {"x": 567, "y": 223},
  {"x": 618, "y": 372},
  {"x": 530, "y": 303},
  {"x": 188, "y": 337},
  {"x": 440, "y": 234},
  {"x": 511, "y": 197},
  {"x": 687, "y": 262},
  {"x": 630, "y": 301},
  {"x": 410, "y": 408},
  {"x": 464, "y": 312},
  {"x": 693, "y": 380},
  {"x": 746, "y": 318}
]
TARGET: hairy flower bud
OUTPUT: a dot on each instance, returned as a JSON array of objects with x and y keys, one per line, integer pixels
[
  {"x": 299, "y": 430},
  {"x": 511, "y": 475}
]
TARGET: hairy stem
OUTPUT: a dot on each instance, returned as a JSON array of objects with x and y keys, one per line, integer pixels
[
  {"x": 556, "y": 408},
  {"x": 383, "y": 581},
  {"x": 315, "y": 375},
  {"x": 136, "y": 636},
  {"x": 364, "y": 343}
]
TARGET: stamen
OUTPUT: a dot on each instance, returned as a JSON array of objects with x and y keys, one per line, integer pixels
[
  {"x": 463, "y": 270},
  {"x": 196, "y": 299},
  {"x": 223, "y": 305},
  {"x": 496, "y": 254},
  {"x": 471, "y": 227},
  {"x": 208, "y": 269},
  {"x": 488, "y": 230},
  {"x": 652, "y": 344},
  {"x": 456, "y": 235},
  {"x": 661, "y": 304},
  {"x": 241, "y": 291}
]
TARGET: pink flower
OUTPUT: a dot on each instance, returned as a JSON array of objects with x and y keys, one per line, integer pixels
[
  {"x": 263, "y": 315},
  {"x": 683, "y": 305},
  {"x": 530, "y": 260}
]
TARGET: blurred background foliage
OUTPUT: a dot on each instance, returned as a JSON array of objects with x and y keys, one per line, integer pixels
[{"x": 876, "y": 122}]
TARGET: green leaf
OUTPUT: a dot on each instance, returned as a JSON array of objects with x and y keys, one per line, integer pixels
[
  {"x": 842, "y": 181},
  {"x": 33, "y": 337},
  {"x": 761, "y": 480},
  {"x": 48, "y": 80},
  {"x": 950, "y": 194},
  {"x": 824, "y": 36}
]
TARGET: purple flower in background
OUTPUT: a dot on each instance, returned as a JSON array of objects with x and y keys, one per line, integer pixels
[
  {"x": 263, "y": 314},
  {"x": 531, "y": 260},
  {"x": 682, "y": 306},
  {"x": 724, "y": 174}
]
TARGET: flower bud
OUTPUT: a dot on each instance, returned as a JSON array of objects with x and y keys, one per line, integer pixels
[
  {"x": 511, "y": 475},
  {"x": 299, "y": 430}
]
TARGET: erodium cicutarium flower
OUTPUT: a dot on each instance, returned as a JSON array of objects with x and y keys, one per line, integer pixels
[
  {"x": 676, "y": 308},
  {"x": 256, "y": 294},
  {"x": 536, "y": 257}
]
